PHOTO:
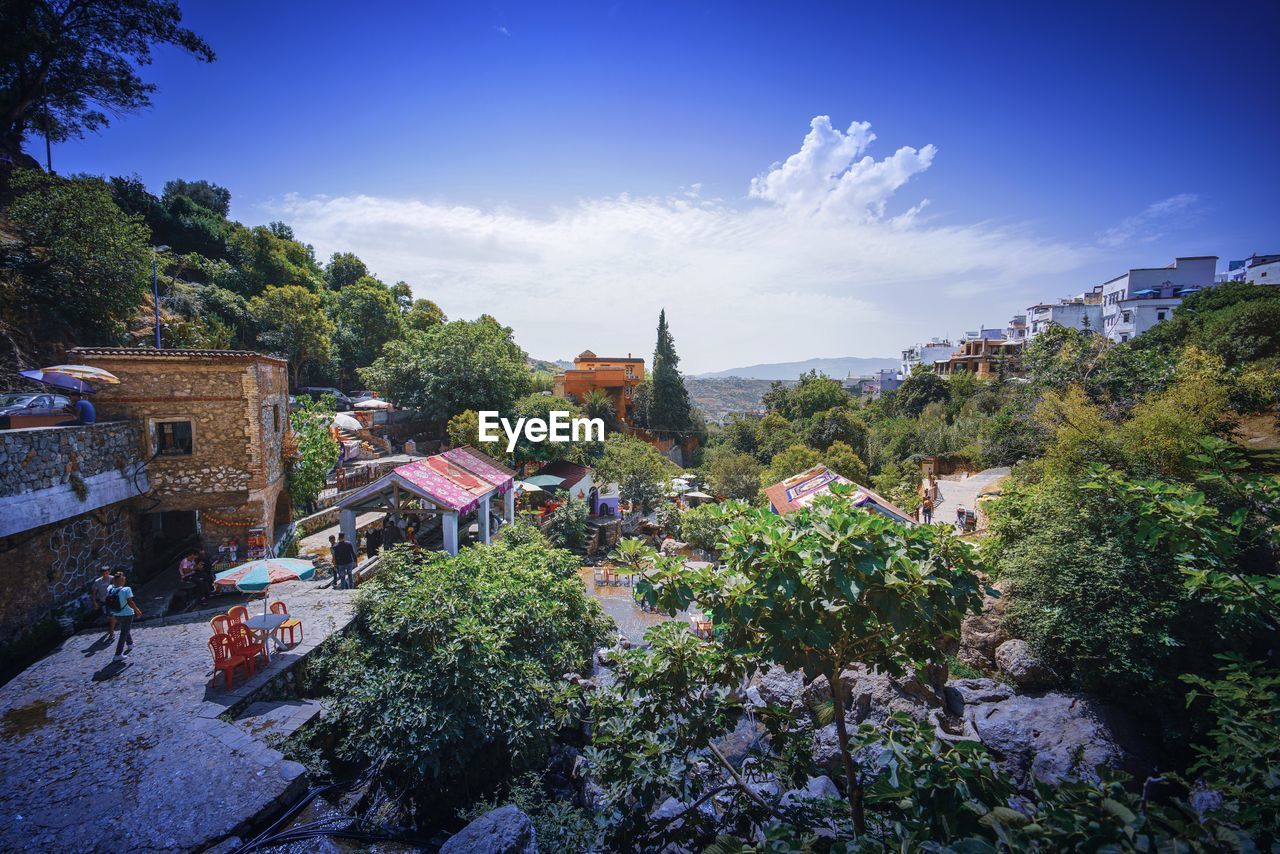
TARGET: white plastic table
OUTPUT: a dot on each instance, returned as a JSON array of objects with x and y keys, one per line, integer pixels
[{"x": 265, "y": 625}]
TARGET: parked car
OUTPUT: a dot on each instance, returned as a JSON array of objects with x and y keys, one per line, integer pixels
[
  {"x": 357, "y": 396},
  {"x": 33, "y": 403},
  {"x": 344, "y": 402}
]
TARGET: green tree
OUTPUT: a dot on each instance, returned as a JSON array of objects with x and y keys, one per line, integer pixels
[
  {"x": 293, "y": 324},
  {"x": 814, "y": 393},
  {"x": 842, "y": 460},
  {"x": 452, "y": 368},
  {"x": 204, "y": 193},
  {"x": 447, "y": 675},
  {"x": 540, "y": 406},
  {"x": 839, "y": 424},
  {"x": 902, "y": 590},
  {"x": 64, "y": 66},
  {"x": 365, "y": 317},
  {"x": 79, "y": 259},
  {"x": 314, "y": 451},
  {"x": 261, "y": 259},
  {"x": 638, "y": 469},
  {"x": 567, "y": 525},
  {"x": 921, "y": 387},
  {"x": 598, "y": 403},
  {"x": 734, "y": 475},
  {"x": 424, "y": 315},
  {"x": 791, "y": 461},
  {"x": 344, "y": 269},
  {"x": 669, "y": 412}
]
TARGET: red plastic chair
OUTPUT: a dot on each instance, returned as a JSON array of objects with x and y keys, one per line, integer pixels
[
  {"x": 237, "y": 614},
  {"x": 220, "y": 624},
  {"x": 226, "y": 658},
  {"x": 292, "y": 624},
  {"x": 243, "y": 641}
]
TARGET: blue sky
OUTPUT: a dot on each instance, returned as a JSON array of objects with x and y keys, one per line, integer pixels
[{"x": 571, "y": 168}]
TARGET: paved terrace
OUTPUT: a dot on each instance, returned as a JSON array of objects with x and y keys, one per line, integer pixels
[{"x": 103, "y": 757}]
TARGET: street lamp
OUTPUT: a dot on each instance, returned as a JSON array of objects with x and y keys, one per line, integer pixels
[{"x": 155, "y": 287}]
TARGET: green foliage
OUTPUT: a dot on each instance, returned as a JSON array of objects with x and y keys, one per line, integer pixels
[
  {"x": 448, "y": 674},
  {"x": 902, "y": 590},
  {"x": 557, "y": 825},
  {"x": 516, "y": 534},
  {"x": 700, "y": 526},
  {"x": 792, "y": 461},
  {"x": 424, "y": 315},
  {"x": 921, "y": 388},
  {"x": 292, "y": 323},
  {"x": 814, "y": 393},
  {"x": 365, "y": 317},
  {"x": 79, "y": 260},
  {"x": 343, "y": 270},
  {"x": 837, "y": 425},
  {"x": 204, "y": 193},
  {"x": 314, "y": 450},
  {"x": 598, "y": 403},
  {"x": 841, "y": 459},
  {"x": 668, "y": 410},
  {"x": 262, "y": 259},
  {"x": 567, "y": 525},
  {"x": 452, "y": 368},
  {"x": 1242, "y": 753},
  {"x": 733, "y": 474},
  {"x": 638, "y": 469},
  {"x": 541, "y": 406},
  {"x": 68, "y": 65}
]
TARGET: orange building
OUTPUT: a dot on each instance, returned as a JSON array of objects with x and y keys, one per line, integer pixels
[{"x": 615, "y": 375}]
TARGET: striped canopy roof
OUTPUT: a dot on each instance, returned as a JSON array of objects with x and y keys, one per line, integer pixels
[{"x": 457, "y": 479}]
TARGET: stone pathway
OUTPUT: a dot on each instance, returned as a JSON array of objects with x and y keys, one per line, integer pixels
[
  {"x": 104, "y": 757},
  {"x": 964, "y": 492}
]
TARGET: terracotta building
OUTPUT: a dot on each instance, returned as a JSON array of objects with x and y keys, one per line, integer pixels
[
  {"x": 212, "y": 425},
  {"x": 615, "y": 375}
]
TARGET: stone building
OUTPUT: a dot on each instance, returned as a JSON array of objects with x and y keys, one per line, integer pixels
[
  {"x": 66, "y": 509},
  {"x": 212, "y": 425}
]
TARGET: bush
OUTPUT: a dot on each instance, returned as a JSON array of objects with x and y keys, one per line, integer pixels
[
  {"x": 567, "y": 527},
  {"x": 700, "y": 526},
  {"x": 448, "y": 673}
]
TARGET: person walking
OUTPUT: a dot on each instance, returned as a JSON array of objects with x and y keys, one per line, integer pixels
[
  {"x": 101, "y": 586},
  {"x": 926, "y": 507},
  {"x": 372, "y": 541},
  {"x": 120, "y": 600},
  {"x": 344, "y": 559}
]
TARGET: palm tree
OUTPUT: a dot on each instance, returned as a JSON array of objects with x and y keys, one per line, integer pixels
[{"x": 598, "y": 404}]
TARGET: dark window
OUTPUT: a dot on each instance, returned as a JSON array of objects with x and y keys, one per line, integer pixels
[
  {"x": 173, "y": 438},
  {"x": 275, "y": 417}
]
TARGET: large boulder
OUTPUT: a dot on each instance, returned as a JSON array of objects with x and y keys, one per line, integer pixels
[
  {"x": 1055, "y": 736},
  {"x": 1016, "y": 660},
  {"x": 505, "y": 830},
  {"x": 982, "y": 633},
  {"x": 872, "y": 696},
  {"x": 815, "y": 788},
  {"x": 971, "y": 692},
  {"x": 780, "y": 687},
  {"x": 671, "y": 547}
]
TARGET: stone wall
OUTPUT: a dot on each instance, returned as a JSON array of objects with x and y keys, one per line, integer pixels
[
  {"x": 50, "y": 567},
  {"x": 44, "y": 457}
]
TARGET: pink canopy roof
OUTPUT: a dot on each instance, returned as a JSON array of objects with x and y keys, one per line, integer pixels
[{"x": 456, "y": 479}]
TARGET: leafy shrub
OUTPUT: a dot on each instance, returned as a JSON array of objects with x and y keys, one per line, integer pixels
[
  {"x": 447, "y": 675},
  {"x": 567, "y": 526}
]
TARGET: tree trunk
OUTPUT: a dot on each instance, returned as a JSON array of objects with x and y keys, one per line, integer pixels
[{"x": 850, "y": 771}]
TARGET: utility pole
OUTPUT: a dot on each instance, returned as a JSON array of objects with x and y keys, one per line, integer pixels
[{"x": 155, "y": 286}]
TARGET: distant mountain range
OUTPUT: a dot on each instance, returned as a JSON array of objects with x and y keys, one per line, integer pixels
[{"x": 838, "y": 368}]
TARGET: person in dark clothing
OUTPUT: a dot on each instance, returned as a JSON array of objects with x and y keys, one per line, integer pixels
[
  {"x": 391, "y": 534},
  {"x": 372, "y": 541},
  {"x": 344, "y": 559}
]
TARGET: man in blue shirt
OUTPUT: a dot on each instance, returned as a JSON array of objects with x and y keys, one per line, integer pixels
[
  {"x": 83, "y": 409},
  {"x": 124, "y": 609}
]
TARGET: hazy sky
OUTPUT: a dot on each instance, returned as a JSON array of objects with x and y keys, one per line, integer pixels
[{"x": 788, "y": 180}]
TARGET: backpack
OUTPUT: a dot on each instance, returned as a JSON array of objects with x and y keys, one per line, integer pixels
[{"x": 115, "y": 599}]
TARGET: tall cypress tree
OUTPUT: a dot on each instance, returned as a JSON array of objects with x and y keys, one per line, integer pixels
[{"x": 669, "y": 412}]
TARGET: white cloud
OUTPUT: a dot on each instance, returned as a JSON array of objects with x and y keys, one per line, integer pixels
[
  {"x": 819, "y": 270},
  {"x": 1149, "y": 225}
]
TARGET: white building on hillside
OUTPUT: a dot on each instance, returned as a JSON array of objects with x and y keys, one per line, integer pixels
[
  {"x": 1141, "y": 298},
  {"x": 1259, "y": 269},
  {"x": 1078, "y": 312},
  {"x": 936, "y": 350}
]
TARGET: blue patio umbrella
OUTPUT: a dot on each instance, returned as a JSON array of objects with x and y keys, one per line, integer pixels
[{"x": 1146, "y": 291}]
